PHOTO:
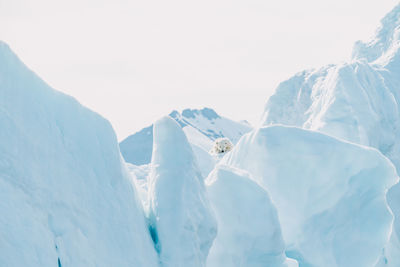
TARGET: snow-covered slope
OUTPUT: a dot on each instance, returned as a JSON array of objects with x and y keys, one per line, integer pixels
[
  {"x": 201, "y": 127},
  {"x": 66, "y": 198},
  {"x": 249, "y": 232},
  {"x": 330, "y": 195},
  {"x": 183, "y": 224},
  {"x": 357, "y": 101}
]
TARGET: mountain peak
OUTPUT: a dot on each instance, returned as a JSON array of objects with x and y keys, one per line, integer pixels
[
  {"x": 202, "y": 127},
  {"x": 189, "y": 113},
  {"x": 205, "y": 112}
]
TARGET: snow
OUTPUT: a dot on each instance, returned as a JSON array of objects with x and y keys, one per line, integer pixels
[
  {"x": 182, "y": 221},
  {"x": 140, "y": 173},
  {"x": 65, "y": 195},
  {"x": 249, "y": 232},
  {"x": 212, "y": 125},
  {"x": 330, "y": 194},
  {"x": 314, "y": 185},
  {"x": 201, "y": 127},
  {"x": 197, "y": 138}
]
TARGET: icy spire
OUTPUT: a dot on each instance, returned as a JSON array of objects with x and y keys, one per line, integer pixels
[{"x": 182, "y": 222}]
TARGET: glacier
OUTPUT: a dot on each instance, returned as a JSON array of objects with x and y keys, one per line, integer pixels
[
  {"x": 391, "y": 253},
  {"x": 315, "y": 184},
  {"x": 201, "y": 127},
  {"x": 249, "y": 232},
  {"x": 357, "y": 101},
  {"x": 66, "y": 198},
  {"x": 182, "y": 221},
  {"x": 330, "y": 195}
]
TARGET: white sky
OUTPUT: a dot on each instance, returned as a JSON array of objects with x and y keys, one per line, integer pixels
[{"x": 134, "y": 61}]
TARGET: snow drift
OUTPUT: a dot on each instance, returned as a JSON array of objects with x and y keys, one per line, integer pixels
[
  {"x": 183, "y": 223},
  {"x": 330, "y": 195},
  {"x": 65, "y": 196}
]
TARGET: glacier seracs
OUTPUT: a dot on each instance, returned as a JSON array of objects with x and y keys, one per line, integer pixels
[
  {"x": 323, "y": 195},
  {"x": 182, "y": 220},
  {"x": 330, "y": 195},
  {"x": 66, "y": 198},
  {"x": 357, "y": 101},
  {"x": 249, "y": 232}
]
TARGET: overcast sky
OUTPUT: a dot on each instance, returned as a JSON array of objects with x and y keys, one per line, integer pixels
[{"x": 134, "y": 61}]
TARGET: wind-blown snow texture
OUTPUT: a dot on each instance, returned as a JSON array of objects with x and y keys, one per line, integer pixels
[
  {"x": 183, "y": 223},
  {"x": 65, "y": 196},
  {"x": 330, "y": 195},
  {"x": 249, "y": 232}
]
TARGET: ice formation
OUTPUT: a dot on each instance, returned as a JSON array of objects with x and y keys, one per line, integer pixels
[
  {"x": 66, "y": 198},
  {"x": 249, "y": 232},
  {"x": 356, "y": 101},
  {"x": 182, "y": 221},
  {"x": 330, "y": 195},
  {"x": 316, "y": 183}
]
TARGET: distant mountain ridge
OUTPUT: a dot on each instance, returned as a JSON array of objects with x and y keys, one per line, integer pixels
[
  {"x": 202, "y": 127},
  {"x": 303, "y": 193}
]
